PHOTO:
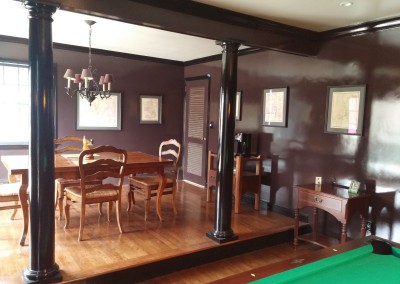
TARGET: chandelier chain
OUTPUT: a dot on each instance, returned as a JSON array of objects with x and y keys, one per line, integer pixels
[{"x": 90, "y": 47}]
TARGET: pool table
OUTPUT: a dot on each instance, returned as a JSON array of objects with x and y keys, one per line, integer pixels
[{"x": 352, "y": 262}]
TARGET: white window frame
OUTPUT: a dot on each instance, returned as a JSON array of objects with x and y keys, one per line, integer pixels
[{"x": 14, "y": 104}]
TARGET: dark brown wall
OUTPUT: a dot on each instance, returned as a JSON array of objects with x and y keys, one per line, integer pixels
[
  {"x": 132, "y": 78},
  {"x": 305, "y": 150}
]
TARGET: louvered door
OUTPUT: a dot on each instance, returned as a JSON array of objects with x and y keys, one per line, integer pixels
[{"x": 196, "y": 121}]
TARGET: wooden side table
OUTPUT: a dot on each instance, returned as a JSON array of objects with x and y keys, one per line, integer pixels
[{"x": 334, "y": 200}]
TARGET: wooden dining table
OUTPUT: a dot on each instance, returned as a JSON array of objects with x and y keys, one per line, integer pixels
[{"x": 67, "y": 166}]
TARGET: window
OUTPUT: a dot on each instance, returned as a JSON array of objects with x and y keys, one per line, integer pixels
[{"x": 14, "y": 103}]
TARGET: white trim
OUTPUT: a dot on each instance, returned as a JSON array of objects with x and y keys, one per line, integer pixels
[{"x": 195, "y": 184}]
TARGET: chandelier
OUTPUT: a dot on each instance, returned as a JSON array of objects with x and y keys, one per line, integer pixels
[{"x": 91, "y": 89}]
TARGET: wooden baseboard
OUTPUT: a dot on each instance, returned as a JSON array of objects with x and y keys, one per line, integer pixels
[{"x": 275, "y": 208}]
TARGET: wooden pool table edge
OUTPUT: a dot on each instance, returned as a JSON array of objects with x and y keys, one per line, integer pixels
[{"x": 277, "y": 267}]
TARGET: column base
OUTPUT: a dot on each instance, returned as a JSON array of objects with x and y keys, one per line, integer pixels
[
  {"x": 50, "y": 275},
  {"x": 222, "y": 236}
]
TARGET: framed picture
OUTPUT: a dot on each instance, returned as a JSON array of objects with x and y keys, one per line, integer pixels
[
  {"x": 354, "y": 187},
  {"x": 275, "y": 107},
  {"x": 238, "y": 114},
  {"x": 102, "y": 114},
  {"x": 150, "y": 109},
  {"x": 345, "y": 110}
]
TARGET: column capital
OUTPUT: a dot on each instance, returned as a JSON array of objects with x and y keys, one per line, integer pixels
[
  {"x": 40, "y": 9},
  {"x": 228, "y": 45}
]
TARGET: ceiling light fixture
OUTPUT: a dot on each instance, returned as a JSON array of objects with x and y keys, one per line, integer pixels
[
  {"x": 346, "y": 4},
  {"x": 91, "y": 89}
]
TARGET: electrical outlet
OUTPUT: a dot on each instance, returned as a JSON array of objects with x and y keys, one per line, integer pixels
[{"x": 318, "y": 180}]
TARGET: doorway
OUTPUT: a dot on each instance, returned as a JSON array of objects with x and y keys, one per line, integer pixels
[{"x": 197, "y": 98}]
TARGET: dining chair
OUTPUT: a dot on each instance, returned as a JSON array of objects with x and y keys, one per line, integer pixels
[
  {"x": 69, "y": 145},
  {"x": 211, "y": 174},
  {"x": 14, "y": 195},
  {"x": 147, "y": 184},
  {"x": 109, "y": 162},
  {"x": 247, "y": 178}
]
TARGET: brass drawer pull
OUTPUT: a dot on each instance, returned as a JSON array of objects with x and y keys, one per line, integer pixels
[{"x": 317, "y": 200}]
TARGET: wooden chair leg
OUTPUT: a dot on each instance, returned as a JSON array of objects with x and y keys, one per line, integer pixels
[
  {"x": 146, "y": 207},
  {"x": 119, "y": 216},
  {"x": 66, "y": 209},
  {"x": 14, "y": 211},
  {"x": 25, "y": 216},
  {"x": 60, "y": 201},
  {"x": 131, "y": 199},
  {"x": 101, "y": 209},
  {"x": 173, "y": 199},
  {"x": 237, "y": 204},
  {"x": 109, "y": 211},
  {"x": 209, "y": 193},
  {"x": 238, "y": 197},
  {"x": 82, "y": 222},
  {"x": 257, "y": 201},
  {"x": 56, "y": 196}
]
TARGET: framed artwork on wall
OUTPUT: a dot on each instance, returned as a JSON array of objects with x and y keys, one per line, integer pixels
[
  {"x": 238, "y": 114},
  {"x": 101, "y": 114},
  {"x": 345, "y": 110},
  {"x": 275, "y": 107},
  {"x": 150, "y": 109}
]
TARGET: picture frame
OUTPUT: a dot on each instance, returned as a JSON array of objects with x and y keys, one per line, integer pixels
[
  {"x": 354, "y": 187},
  {"x": 150, "y": 109},
  {"x": 238, "y": 113},
  {"x": 275, "y": 107},
  {"x": 345, "y": 110},
  {"x": 101, "y": 114}
]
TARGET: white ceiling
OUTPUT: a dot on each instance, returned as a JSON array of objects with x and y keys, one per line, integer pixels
[{"x": 317, "y": 15}]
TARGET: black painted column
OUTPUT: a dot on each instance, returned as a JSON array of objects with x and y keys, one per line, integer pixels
[
  {"x": 42, "y": 267},
  {"x": 222, "y": 231}
]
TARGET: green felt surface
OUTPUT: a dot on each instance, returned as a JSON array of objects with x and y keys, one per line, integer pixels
[{"x": 356, "y": 266}]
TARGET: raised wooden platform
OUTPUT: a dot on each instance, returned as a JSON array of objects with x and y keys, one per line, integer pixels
[{"x": 146, "y": 249}]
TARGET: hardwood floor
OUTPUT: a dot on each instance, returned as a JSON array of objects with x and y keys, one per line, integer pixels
[
  {"x": 229, "y": 266},
  {"x": 105, "y": 251}
]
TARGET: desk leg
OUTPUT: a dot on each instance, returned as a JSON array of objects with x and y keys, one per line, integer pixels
[
  {"x": 160, "y": 192},
  {"x": 363, "y": 226},
  {"x": 344, "y": 233},
  {"x": 296, "y": 227},
  {"x": 315, "y": 220}
]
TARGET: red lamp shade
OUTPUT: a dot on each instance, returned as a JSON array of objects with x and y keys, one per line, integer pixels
[{"x": 108, "y": 78}]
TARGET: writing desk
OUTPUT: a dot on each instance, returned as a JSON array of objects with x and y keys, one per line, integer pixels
[
  {"x": 66, "y": 166},
  {"x": 335, "y": 200}
]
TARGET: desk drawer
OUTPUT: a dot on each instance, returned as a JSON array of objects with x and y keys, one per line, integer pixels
[{"x": 320, "y": 201}]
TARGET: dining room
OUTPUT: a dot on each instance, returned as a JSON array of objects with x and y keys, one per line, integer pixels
[{"x": 310, "y": 148}]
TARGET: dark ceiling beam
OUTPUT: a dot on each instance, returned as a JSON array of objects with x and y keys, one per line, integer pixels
[
  {"x": 196, "y": 19},
  {"x": 360, "y": 29}
]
